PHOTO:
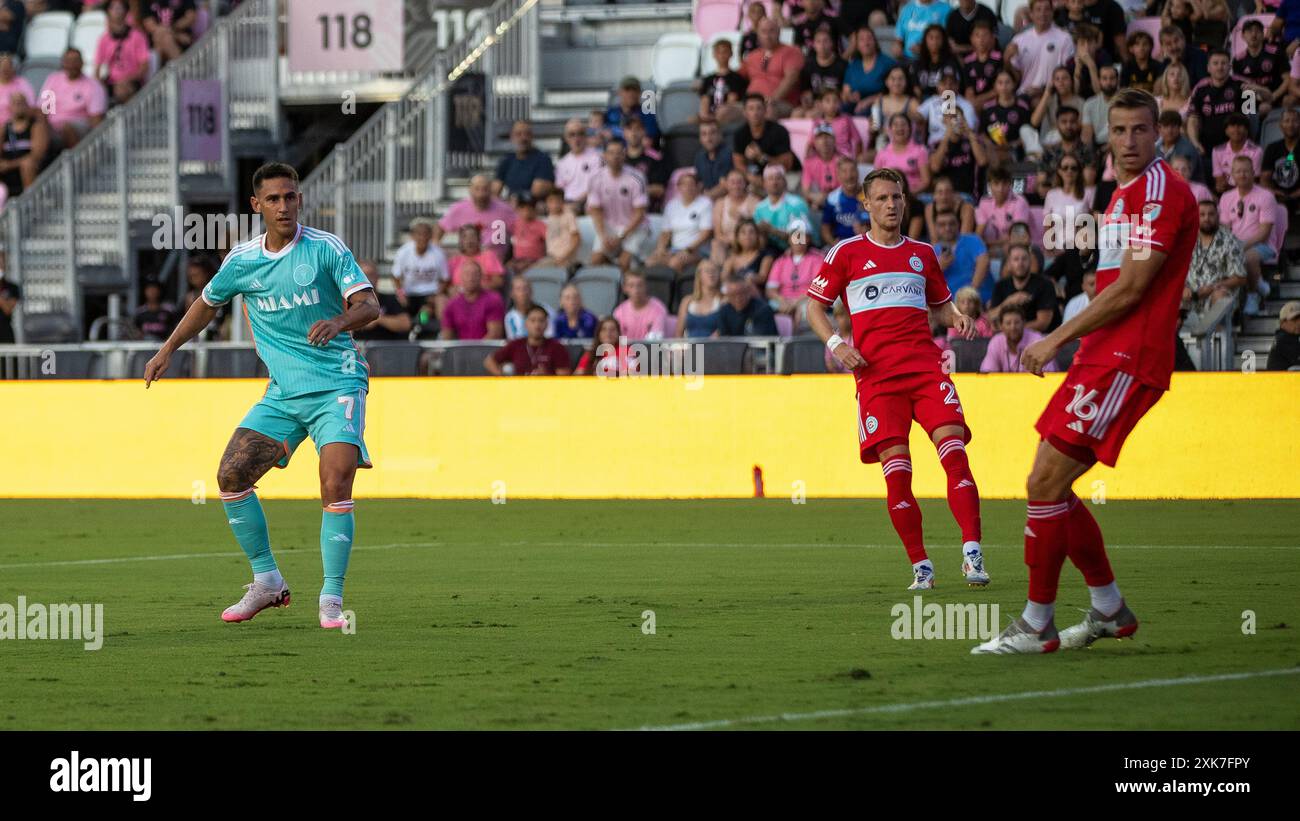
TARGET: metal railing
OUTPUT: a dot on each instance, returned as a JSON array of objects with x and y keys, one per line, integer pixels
[
  {"x": 396, "y": 166},
  {"x": 1214, "y": 336}
]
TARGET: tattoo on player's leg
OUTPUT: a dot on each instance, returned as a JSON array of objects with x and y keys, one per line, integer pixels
[{"x": 248, "y": 457}]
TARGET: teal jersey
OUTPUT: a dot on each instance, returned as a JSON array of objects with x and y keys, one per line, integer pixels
[{"x": 285, "y": 294}]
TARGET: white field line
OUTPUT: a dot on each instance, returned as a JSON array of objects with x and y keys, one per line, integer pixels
[
  {"x": 969, "y": 701},
  {"x": 232, "y": 554}
]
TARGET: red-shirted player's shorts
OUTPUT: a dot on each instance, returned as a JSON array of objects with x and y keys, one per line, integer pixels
[
  {"x": 886, "y": 410},
  {"x": 1094, "y": 411}
]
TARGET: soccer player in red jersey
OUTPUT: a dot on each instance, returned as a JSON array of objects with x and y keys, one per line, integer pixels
[
  {"x": 1121, "y": 369},
  {"x": 890, "y": 284}
]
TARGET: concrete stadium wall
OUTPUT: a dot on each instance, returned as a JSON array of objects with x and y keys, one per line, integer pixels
[{"x": 1225, "y": 435}]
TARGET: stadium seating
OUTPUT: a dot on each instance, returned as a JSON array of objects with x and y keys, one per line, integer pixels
[
  {"x": 723, "y": 356},
  {"x": 598, "y": 295},
  {"x": 392, "y": 358},
  {"x": 47, "y": 35},
  {"x": 178, "y": 368},
  {"x": 659, "y": 282},
  {"x": 547, "y": 291},
  {"x": 50, "y": 328},
  {"x": 677, "y": 104},
  {"x": 234, "y": 363},
  {"x": 714, "y": 16},
  {"x": 970, "y": 353},
  {"x": 804, "y": 354},
  {"x": 86, "y": 32},
  {"x": 1009, "y": 9},
  {"x": 676, "y": 58},
  {"x": 466, "y": 360}
]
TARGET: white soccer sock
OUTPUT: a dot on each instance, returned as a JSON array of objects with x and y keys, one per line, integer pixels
[
  {"x": 1106, "y": 600},
  {"x": 1038, "y": 615},
  {"x": 326, "y": 597},
  {"x": 270, "y": 578},
  {"x": 971, "y": 548},
  {"x": 923, "y": 563}
]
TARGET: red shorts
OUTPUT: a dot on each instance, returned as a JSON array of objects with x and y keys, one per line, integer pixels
[
  {"x": 886, "y": 410},
  {"x": 1094, "y": 411}
]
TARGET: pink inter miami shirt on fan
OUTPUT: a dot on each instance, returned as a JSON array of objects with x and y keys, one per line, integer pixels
[
  {"x": 617, "y": 197},
  {"x": 1147, "y": 211},
  {"x": 888, "y": 290},
  {"x": 74, "y": 100}
]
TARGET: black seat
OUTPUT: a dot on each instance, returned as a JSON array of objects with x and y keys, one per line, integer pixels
[
  {"x": 970, "y": 353},
  {"x": 393, "y": 358},
  {"x": 233, "y": 363},
  {"x": 178, "y": 368},
  {"x": 724, "y": 356},
  {"x": 804, "y": 354},
  {"x": 50, "y": 329},
  {"x": 466, "y": 360}
]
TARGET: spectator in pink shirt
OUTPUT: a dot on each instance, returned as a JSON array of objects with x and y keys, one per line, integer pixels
[
  {"x": 1238, "y": 145},
  {"x": 848, "y": 141},
  {"x": 74, "y": 102},
  {"x": 474, "y": 313},
  {"x": 1249, "y": 211},
  {"x": 641, "y": 316},
  {"x": 819, "y": 177},
  {"x": 997, "y": 212},
  {"x": 529, "y": 237},
  {"x": 494, "y": 218},
  {"x": 11, "y": 84},
  {"x": 489, "y": 266},
  {"x": 575, "y": 170},
  {"x": 905, "y": 156},
  {"x": 122, "y": 56},
  {"x": 792, "y": 273},
  {"x": 1004, "y": 350}
]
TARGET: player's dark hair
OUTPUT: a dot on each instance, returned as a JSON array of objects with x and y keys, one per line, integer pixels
[
  {"x": 273, "y": 171},
  {"x": 1130, "y": 98}
]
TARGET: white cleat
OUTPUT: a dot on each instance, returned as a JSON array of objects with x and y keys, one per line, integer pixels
[
  {"x": 1020, "y": 638},
  {"x": 331, "y": 615},
  {"x": 972, "y": 567},
  {"x": 1121, "y": 624},
  {"x": 257, "y": 597},
  {"x": 924, "y": 578}
]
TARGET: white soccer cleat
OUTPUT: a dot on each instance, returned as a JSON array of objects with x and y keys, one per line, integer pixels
[
  {"x": 331, "y": 615},
  {"x": 1119, "y": 625},
  {"x": 972, "y": 567},
  {"x": 1020, "y": 638},
  {"x": 924, "y": 577},
  {"x": 257, "y": 597}
]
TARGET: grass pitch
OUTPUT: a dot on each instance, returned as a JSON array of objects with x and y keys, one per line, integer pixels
[{"x": 530, "y": 615}]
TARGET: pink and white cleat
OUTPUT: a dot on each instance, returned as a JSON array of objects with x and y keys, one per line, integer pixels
[
  {"x": 331, "y": 615},
  {"x": 257, "y": 597}
]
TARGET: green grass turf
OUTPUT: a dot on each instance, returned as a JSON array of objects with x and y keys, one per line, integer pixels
[{"x": 528, "y": 615}]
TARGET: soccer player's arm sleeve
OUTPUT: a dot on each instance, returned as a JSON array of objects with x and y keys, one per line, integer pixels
[
  {"x": 828, "y": 283},
  {"x": 348, "y": 276},
  {"x": 222, "y": 287},
  {"x": 936, "y": 287}
]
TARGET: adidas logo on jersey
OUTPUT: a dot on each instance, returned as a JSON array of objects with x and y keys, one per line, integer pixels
[
  {"x": 902, "y": 506},
  {"x": 311, "y": 297},
  {"x": 257, "y": 284},
  {"x": 1076, "y": 426},
  {"x": 820, "y": 282},
  {"x": 964, "y": 483},
  {"x": 348, "y": 428},
  {"x": 871, "y": 263}
]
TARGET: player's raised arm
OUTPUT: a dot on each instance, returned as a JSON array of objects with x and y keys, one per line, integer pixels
[{"x": 190, "y": 326}]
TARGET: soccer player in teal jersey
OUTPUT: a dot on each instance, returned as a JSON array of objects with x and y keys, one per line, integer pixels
[{"x": 304, "y": 294}]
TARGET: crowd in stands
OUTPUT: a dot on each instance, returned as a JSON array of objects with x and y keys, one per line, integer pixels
[
  {"x": 39, "y": 121},
  {"x": 998, "y": 134}
]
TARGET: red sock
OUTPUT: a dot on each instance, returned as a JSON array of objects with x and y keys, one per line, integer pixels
[
  {"x": 904, "y": 512},
  {"x": 1086, "y": 547},
  {"x": 963, "y": 496},
  {"x": 1045, "y": 548}
]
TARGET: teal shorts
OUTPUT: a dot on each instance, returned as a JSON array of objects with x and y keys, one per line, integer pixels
[{"x": 327, "y": 417}]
